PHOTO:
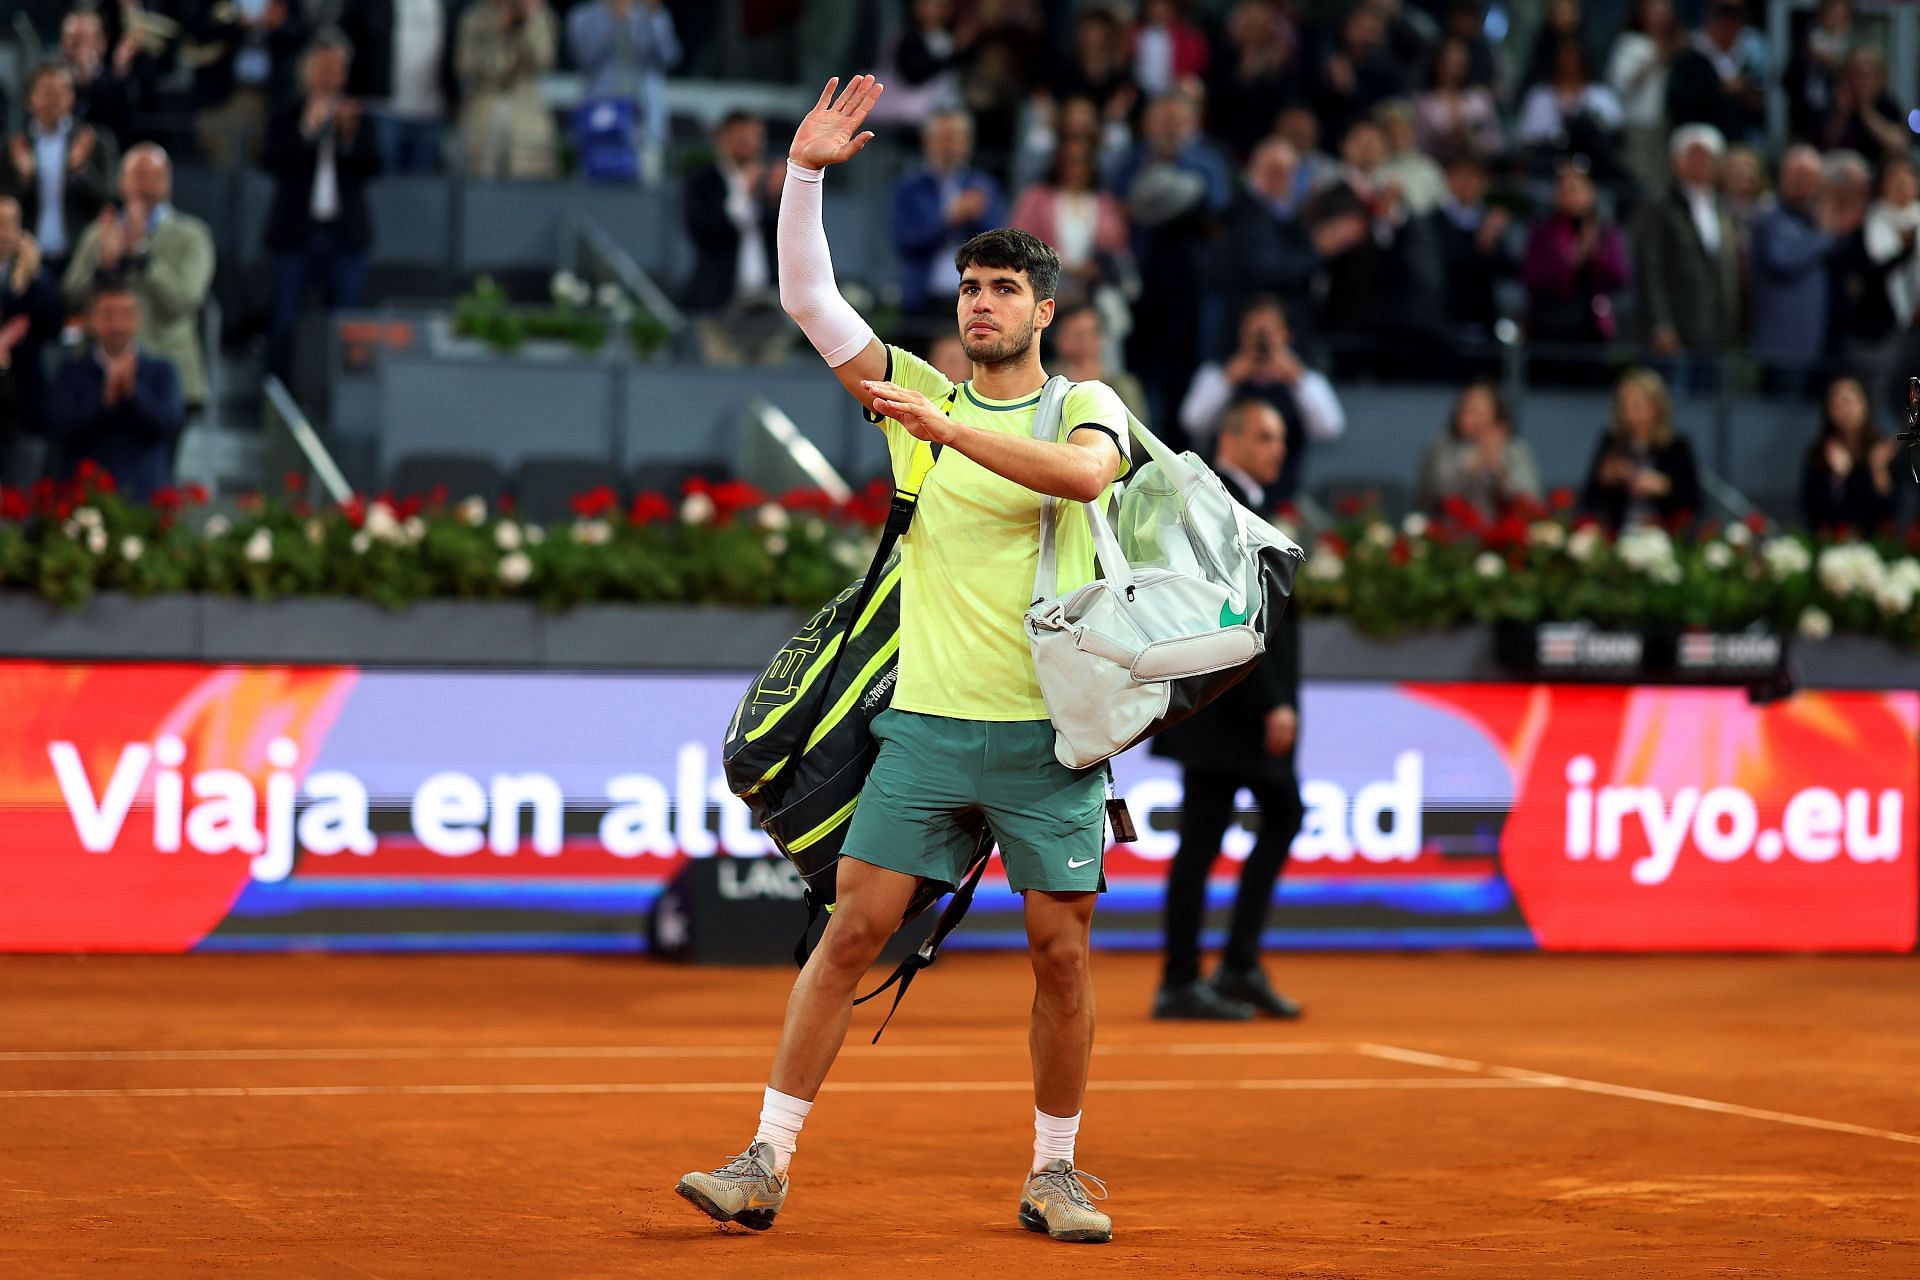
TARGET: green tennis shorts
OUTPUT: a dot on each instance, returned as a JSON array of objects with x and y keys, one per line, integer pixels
[{"x": 937, "y": 780}]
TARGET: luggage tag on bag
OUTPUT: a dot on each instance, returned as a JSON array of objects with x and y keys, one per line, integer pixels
[{"x": 1118, "y": 819}]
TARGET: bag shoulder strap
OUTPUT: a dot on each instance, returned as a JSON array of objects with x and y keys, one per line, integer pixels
[{"x": 1046, "y": 427}]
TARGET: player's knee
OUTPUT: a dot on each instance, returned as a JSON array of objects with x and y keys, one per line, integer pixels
[
  {"x": 1060, "y": 965},
  {"x": 854, "y": 938}
]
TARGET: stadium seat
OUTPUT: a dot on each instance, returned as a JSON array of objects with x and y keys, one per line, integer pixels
[
  {"x": 463, "y": 474},
  {"x": 545, "y": 488}
]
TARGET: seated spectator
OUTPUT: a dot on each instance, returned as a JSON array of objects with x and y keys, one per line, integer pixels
[
  {"x": 1864, "y": 117},
  {"x": 625, "y": 48},
  {"x": 244, "y": 58},
  {"x": 319, "y": 227},
  {"x": 1641, "y": 470},
  {"x": 164, "y": 255},
  {"x": 115, "y": 405},
  {"x": 30, "y": 318},
  {"x": 1358, "y": 71},
  {"x": 1269, "y": 248},
  {"x": 937, "y": 209},
  {"x": 1637, "y": 74},
  {"x": 1576, "y": 263},
  {"x": 1847, "y": 481},
  {"x": 1793, "y": 249},
  {"x": 1571, "y": 115},
  {"x": 1264, "y": 367},
  {"x": 1818, "y": 67},
  {"x": 1721, "y": 77},
  {"x": 922, "y": 73},
  {"x": 1083, "y": 352},
  {"x": 1453, "y": 112},
  {"x": 731, "y": 208},
  {"x": 403, "y": 69},
  {"x": 506, "y": 127},
  {"x": 1477, "y": 460},
  {"x": 1367, "y": 283},
  {"x": 1255, "y": 78},
  {"x": 1748, "y": 191},
  {"x": 1417, "y": 175},
  {"x": 104, "y": 91},
  {"x": 59, "y": 169},
  {"x": 1086, "y": 226},
  {"x": 1457, "y": 256},
  {"x": 1167, "y": 48},
  {"x": 1688, "y": 257}
]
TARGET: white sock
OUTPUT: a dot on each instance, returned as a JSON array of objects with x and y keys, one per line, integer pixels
[
  {"x": 781, "y": 1115},
  {"x": 1053, "y": 1137}
]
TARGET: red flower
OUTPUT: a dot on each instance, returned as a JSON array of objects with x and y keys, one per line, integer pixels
[
  {"x": 1511, "y": 531},
  {"x": 1586, "y": 521},
  {"x": 1913, "y": 537},
  {"x": 505, "y": 505},
  {"x": 1335, "y": 543},
  {"x": 864, "y": 509},
  {"x": 13, "y": 505},
  {"x": 197, "y": 495},
  {"x": 650, "y": 508},
  {"x": 1561, "y": 499},
  {"x": 293, "y": 482},
  {"x": 1401, "y": 553},
  {"x": 1756, "y": 523},
  {"x": 1348, "y": 505},
  {"x": 697, "y": 484},
  {"x": 735, "y": 495},
  {"x": 437, "y": 497},
  {"x": 355, "y": 510},
  {"x": 1457, "y": 511},
  {"x": 410, "y": 507},
  {"x": 594, "y": 502},
  {"x": 808, "y": 502},
  {"x": 1527, "y": 509},
  {"x": 166, "y": 500}
]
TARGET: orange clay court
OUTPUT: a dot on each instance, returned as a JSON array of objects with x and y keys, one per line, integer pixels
[{"x": 1445, "y": 1116}]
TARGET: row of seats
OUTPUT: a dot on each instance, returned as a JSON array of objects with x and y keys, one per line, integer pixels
[{"x": 543, "y": 489}]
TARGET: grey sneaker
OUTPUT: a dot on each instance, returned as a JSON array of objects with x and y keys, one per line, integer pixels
[
  {"x": 1055, "y": 1201},
  {"x": 745, "y": 1189}
]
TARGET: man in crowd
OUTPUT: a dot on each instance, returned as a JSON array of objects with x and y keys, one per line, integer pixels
[
  {"x": 164, "y": 255},
  {"x": 403, "y": 68},
  {"x": 1793, "y": 245},
  {"x": 105, "y": 90},
  {"x": 1367, "y": 292},
  {"x": 1721, "y": 78},
  {"x": 30, "y": 317},
  {"x": 731, "y": 209},
  {"x": 243, "y": 57},
  {"x": 115, "y": 405},
  {"x": 1689, "y": 260},
  {"x": 1456, "y": 257},
  {"x": 60, "y": 169},
  {"x": 938, "y": 209},
  {"x": 1268, "y": 248},
  {"x": 626, "y": 48},
  {"x": 1244, "y": 740},
  {"x": 1264, "y": 367},
  {"x": 319, "y": 228}
]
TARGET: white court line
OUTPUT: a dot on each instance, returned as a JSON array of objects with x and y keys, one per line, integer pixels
[
  {"x": 519, "y": 1052},
  {"x": 700, "y": 1087},
  {"x": 1550, "y": 1079}
]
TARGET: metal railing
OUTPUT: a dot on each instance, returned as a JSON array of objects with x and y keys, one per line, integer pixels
[
  {"x": 774, "y": 453},
  {"x": 589, "y": 252},
  {"x": 284, "y": 414}
]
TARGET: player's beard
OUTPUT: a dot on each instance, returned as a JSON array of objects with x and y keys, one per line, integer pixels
[{"x": 1001, "y": 348}]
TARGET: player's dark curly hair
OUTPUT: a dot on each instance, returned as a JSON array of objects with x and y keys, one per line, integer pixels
[{"x": 1014, "y": 250}]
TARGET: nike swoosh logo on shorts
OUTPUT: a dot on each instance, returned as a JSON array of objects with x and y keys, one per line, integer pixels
[{"x": 1077, "y": 865}]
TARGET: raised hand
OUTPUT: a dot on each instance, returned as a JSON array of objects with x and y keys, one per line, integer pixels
[
  {"x": 919, "y": 415},
  {"x": 831, "y": 132}
]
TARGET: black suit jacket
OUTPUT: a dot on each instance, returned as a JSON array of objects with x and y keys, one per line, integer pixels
[
  {"x": 1229, "y": 735},
  {"x": 716, "y": 241},
  {"x": 292, "y": 158},
  {"x": 84, "y": 192}
]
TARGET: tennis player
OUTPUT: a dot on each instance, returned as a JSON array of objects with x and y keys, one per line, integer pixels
[{"x": 966, "y": 745}]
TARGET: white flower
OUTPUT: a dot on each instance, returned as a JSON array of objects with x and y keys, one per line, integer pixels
[
  {"x": 362, "y": 540},
  {"x": 72, "y": 531},
  {"x": 815, "y": 528},
  {"x": 1489, "y": 565},
  {"x": 772, "y": 517},
  {"x": 1717, "y": 555},
  {"x": 535, "y": 535},
  {"x": 132, "y": 548},
  {"x": 1815, "y": 624},
  {"x": 567, "y": 287},
  {"x": 1738, "y": 534},
  {"x": 1415, "y": 525},
  {"x": 414, "y": 527},
  {"x": 1547, "y": 533},
  {"x": 506, "y": 536},
  {"x": 88, "y": 518},
  {"x": 217, "y": 526},
  {"x": 1894, "y": 598},
  {"x": 515, "y": 568},
  {"x": 1851, "y": 567},
  {"x": 1325, "y": 564},
  {"x": 592, "y": 533},
  {"x": 316, "y": 532},
  {"x": 97, "y": 541},
  {"x": 472, "y": 511},
  {"x": 609, "y": 295},
  {"x": 697, "y": 508},
  {"x": 1786, "y": 557},
  {"x": 850, "y": 555},
  {"x": 1380, "y": 533},
  {"x": 259, "y": 548},
  {"x": 384, "y": 524},
  {"x": 1667, "y": 573},
  {"x": 1585, "y": 543},
  {"x": 1646, "y": 548},
  {"x": 776, "y": 544}
]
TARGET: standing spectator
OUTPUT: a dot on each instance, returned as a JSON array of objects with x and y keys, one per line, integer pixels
[
  {"x": 1562, "y": 21},
  {"x": 403, "y": 68},
  {"x": 1269, "y": 248},
  {"x": 164, "y": 255},
  {"x": 59, "y": 169},
  {"x": 1847, "y": 480},
  {"x": 1688, "y": 255},
  {"x": 938, "y": 209},
  {"x": 105, "y": 90},
  {"x": 1818, "y": 67},
  {"x": 1313, "y": 168},
  {"x": 115, "y": 405},
  {"x": 1098, "y": 68},
  {"x": 1641, "y": 470},
  {"x": 30, "y": 318},
  {"x": 1792, "y": 250},
  {"x": 1466, "y": 21},
  {"x": 1245, "y": 739},
  {"x": 1086, "y": 226},
  {"x": 1083, "y": 354},
  {"x": 319, "y": 228},
  {"x": 1576, "y": 262},
  {"x": 1176, "y": 185},
  {"x": 1264, "y": 367},
  {"x": 1358, "y": 72},
  {"x": 1457, "y": 256},
  {"x": 1256, "y": 78},
  {"x": 1570, "y": 115},
  {"x": 1049, "y": 124},
  {"x": 243, "y": 54},
  {"x": 1367, "y": 285},
  {"x": 1167, "y": 48},
  {"x": 1748, "y": 192},
  {"x": 1892, "y": 225},
  {"x": 506, "y": 127},
  {"x": 731, "y": 207},
  {"x": 1478, "y": 460},
  {"x": 1864, "y": 116},
  {"x": 1637, "y": 74},
  {"x": 1721, "y": 77},
  {"x": 1454, "y": 112},
  {"x": 924, "y": 74},
  {"x": 626, "y": 48},
  {"x": 1419, "y": 178},
  {"x": 1864, "y": 332}
]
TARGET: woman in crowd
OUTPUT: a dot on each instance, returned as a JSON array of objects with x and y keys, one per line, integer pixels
[
  {"x": 1086, "y": 226},
  {"x": 1477, "y": 459},
  {"x": 1452, "y": 110},
  {"x": 1637, "y": 74},
  {"x": 1576, "y": 262},
  {"x": 1641, "y": 470},
  {"x": 1892, "y": 225},
  {"x": 1572, "y": 115},
  {"x": 1847, "y": 482}
]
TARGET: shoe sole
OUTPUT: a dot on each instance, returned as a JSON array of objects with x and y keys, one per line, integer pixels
[
  {"x": 1033, "y": 1221},
  {"x": 753, "y": 1219}
]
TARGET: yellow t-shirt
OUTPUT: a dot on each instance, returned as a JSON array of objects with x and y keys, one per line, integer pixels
[{"x": 969, "y": 559}]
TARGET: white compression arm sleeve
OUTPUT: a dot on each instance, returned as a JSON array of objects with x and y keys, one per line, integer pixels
[{"x": 807, "y": 288}]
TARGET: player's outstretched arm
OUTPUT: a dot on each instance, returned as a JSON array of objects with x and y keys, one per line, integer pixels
[{"x": 829, "y": 135}]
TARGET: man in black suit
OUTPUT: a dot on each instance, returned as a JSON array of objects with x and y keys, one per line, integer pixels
[
  {"x": 731, "y": 208},
  {"x": 1457, "y": 256},
  {"x": 322, "y": 157},
  {"x": 1246, "y": 739},
  {"x": 114, "y": 405}
]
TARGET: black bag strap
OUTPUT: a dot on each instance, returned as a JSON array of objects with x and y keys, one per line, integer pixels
[{"x": 950, "y": 918}]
